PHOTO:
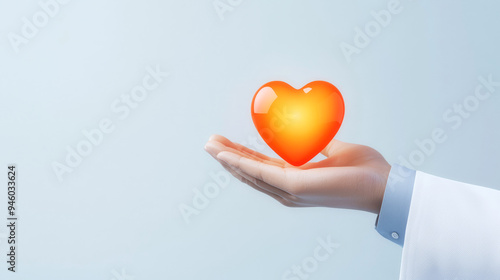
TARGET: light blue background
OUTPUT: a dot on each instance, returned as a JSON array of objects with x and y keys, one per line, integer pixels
[{"x": 119, "y": 208}]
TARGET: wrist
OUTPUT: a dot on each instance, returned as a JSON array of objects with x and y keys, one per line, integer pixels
[{"x": 381, "y": 178}]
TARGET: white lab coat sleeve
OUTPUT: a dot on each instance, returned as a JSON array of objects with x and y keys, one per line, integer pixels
[{"x": 453, "y": 231}]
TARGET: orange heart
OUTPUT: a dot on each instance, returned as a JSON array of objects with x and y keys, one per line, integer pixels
[{"x": 297, "y": 124}]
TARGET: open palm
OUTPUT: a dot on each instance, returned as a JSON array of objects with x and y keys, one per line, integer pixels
[{"x": 352, "y": 176}]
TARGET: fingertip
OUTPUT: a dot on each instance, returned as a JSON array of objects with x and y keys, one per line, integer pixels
[
  {"x": 213, "y": 148},
  {"x": 207, "y": 147},
  {"x": 215, "y": 145},
  {"x": 219, "y": 138},
  {"x": 212, "y": 137},
  {"x": 224, "y": 155},
  {"x": 228, "y": 157}
]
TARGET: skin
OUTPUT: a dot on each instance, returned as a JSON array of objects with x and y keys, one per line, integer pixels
[{"x": 352, "y": 176}]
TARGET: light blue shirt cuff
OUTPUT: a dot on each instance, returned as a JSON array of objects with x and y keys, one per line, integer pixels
[{"x": 393, "y": 216}]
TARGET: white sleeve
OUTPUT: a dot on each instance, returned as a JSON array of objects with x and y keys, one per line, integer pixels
[{"x": 453, "y": 231}]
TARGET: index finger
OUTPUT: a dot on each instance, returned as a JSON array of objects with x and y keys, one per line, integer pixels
[
  {"x": 276, "y": 176},
  {"x": 237, "y": 146}
]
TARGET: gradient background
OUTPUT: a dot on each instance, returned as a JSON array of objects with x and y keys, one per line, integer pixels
[{"x": 118, "y": 211}]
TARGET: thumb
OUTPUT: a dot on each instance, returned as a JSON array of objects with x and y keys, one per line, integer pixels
[{"x": 332, "y": 147}]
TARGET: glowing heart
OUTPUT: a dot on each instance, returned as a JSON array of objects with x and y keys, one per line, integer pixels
[{"x": 297, "y": 124}]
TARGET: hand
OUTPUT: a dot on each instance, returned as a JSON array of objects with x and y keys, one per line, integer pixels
[{"x": 352, "y": 176}]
